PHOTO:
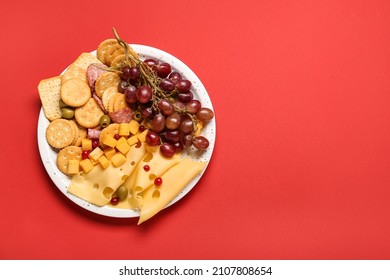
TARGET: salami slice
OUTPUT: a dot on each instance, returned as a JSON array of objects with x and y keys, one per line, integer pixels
[
  {"x": 93, "y": 72},
  {"x": 99, "y": 102},
  {"x": 121, "y": 116}
]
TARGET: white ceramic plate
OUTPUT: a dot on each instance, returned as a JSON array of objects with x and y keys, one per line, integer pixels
[{"x": 49, "y": 155}]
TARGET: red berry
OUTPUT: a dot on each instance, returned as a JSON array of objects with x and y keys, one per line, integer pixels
[
  {"x": 117, "y": 136},
  {"x": 85, "y": 154},
  {"x": 114, "y": 200},
  {"x": 146, "y": 168},
  {"x": 141, "y": 128},
  {"x": 158, "y": 181},
  {"x": 95, "y": 143}
]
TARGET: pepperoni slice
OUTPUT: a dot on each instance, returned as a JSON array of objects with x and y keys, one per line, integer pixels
[{"x": 121, "y": 116}]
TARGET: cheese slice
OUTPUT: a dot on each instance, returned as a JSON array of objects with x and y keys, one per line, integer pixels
[
  {"x": 158, "y": 164},
  {"x": 99, "y": 184},
  {"x": 156, "y": 198}
]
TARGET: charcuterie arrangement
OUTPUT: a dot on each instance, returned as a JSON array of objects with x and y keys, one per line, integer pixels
[{"x": 123, "y": 127}]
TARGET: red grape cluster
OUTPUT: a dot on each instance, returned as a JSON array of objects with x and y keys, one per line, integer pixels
[{"x": 163, "y": 99}]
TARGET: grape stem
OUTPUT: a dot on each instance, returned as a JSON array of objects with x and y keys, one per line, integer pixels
[{"x": 151, "y": 79}]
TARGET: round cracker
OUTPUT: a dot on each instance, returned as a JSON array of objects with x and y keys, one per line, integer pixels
[
  {"x": 89, "y": 115},
  {"x": 75, "y": 92},
  {"x": 107, "y": 94},
  {"x": 60, "y": 133},
  {"x": 118, "y": 61},
  {"x": 111, "y": 52},
  {"x": 105, "y": 81},
  {"x": 103, "y": 47},
  {"x": 75, "y": 131},
  {"x": 65, "y": 155},
  {"x": 111, "y": 102},
  {"x": 120, "y": 102}
]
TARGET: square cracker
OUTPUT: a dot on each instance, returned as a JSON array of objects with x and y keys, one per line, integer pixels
[
  {"x": 78, "y": 69},
  {"x": 49, "y": 93}
]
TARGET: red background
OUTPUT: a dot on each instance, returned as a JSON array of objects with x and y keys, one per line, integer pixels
[{"x": 301, "y": 167}]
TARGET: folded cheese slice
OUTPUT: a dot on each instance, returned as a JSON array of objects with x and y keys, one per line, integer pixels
[
  {"x": 155, "y": 198},
  {"x": 99, "y": 184},
  {"x": 141, "y": 179}
]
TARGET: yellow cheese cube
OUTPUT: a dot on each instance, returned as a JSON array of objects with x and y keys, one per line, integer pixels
[
  {"x": 104, "y": 162},
  {"x": 96, "y": 153},
  {"x": 73, "y": 166},
  {"x": 123, "y": 147},
  {"x": 118, "y": 159},
  {"x": 134, "y": 126},
  {"x": 94, "y": 162},
  {"x": 108, "y": 140},
  {"x": 124, "y": 129},
  {"x": 132, "y": 140},
  {"x": 120, "y": 141},
  {"x": 86, "y": 165},
  {"x": 86, "y": 144},
  {"x": 109, "y": 152},
  {"x": 142, "y": 136}
]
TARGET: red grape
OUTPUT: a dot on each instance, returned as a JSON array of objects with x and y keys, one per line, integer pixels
[
  {"x": 165, "y": 106},
  {"x": 185, "y": 97},
  {"x": 172, "y": 136},
  {"x": 201, "y": 143},
  {"x": 187, "y": 140},
  {"x": 152, "y": 138},
  {"x": 163, "y": 70},
  {"x": 183, "y": 85},
  {"x": 152, "y": 63},
  {"x": 173, "y": 121},
  {"x": 131, "y": 94},
  {"x": 167, "y": 150},
  {"x": 167, "y": 85},
  {"x": 158, "y": 123},
  {"x": 193, "y": 106},
  {"x": 186, "y": 126},
  {"x": 122, "y": 86},
  {"x": 178, "y": 146},
  {"x": 175, "y": 77},
  {"x": 125, "y": 75},
  {"x": 144, "y": 94},
  {"x": 205, "y": 114},
  {"x": 134, "y": 73}
]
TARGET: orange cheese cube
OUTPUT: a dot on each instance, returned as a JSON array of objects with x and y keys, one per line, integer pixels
[
  {"x": 133, "y": 126},
  {"x": 120, "y": 141},
  {"x": 108, "y": 140},
  {"x": 142, "y": 136},
  {"x": 132, "y": 140},
  {"x": 86, "y": 165},
  {"x": 86, "y": 144},
  {"x": 123, "y": 147},
  {"x": 104, "y": 162},
  {"x": 118, "y": 159},
  {"x": 96, "y": 153},
  {"x": 73, "y": 166},
  {"x": 124, "y": 129},
  {"x": 109, "y": 152}
]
